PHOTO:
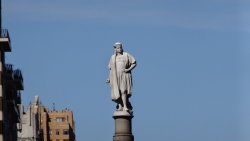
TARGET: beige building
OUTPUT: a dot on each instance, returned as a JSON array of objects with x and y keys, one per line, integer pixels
[
  {"x": 47, "y": 125},
  {"x": 28, "y": 127},
  {"x": 61, "y": 125}
]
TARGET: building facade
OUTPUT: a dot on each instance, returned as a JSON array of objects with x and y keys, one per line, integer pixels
[
  {"x": 29, "y": 127},
  {"x": 41, "y": 124},
  {"x": 61, "y": 125},
  {"x": 13, "y": 84}
]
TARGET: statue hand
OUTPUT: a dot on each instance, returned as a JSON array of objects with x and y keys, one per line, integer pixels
[
  {"x": 107, "y": 81},
  {"x": 126, "y": 70}
]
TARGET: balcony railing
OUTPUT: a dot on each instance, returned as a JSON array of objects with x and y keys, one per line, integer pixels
[
  {"x": 4, "y": 34},
  {"x": 18, "y": 75},
  {"x": 5, "y": 40},
  {"x": 18, "y": 79},
  {"x": 14, "y": 77},
  {"x": 9, "y": 68}
]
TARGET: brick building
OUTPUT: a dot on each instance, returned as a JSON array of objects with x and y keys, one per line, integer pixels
[
  {"x": 41, "y": 124},
  {"x": 61, "y": 125}
]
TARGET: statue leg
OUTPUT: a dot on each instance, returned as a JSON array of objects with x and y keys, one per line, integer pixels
[{"x": 124, "y": 101}]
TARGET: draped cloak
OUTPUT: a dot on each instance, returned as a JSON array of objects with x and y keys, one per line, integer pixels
[{"x": 120, "y": 81}]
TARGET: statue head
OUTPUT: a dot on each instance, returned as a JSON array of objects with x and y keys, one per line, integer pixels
[{"x": 118, "y": 47}]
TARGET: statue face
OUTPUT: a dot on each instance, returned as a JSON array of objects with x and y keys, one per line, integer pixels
[{"x": 118, "y": 49}]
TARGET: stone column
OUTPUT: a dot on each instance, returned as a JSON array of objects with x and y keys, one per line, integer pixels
[{"x": 123, "y": 126}]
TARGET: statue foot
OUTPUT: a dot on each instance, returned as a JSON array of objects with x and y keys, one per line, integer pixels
[{"x": 125, "y": 109}]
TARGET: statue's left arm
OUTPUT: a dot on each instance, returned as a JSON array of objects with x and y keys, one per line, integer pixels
[{"x": 132, "y": 63}]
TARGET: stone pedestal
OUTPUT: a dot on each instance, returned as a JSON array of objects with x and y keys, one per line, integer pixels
[{"x": 123, "y": 126}]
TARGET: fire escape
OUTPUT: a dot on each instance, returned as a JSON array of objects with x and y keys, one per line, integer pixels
[{"x": 13, "y": 86}]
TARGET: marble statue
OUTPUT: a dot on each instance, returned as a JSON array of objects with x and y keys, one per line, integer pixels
[{"x": 120, "y": 78}]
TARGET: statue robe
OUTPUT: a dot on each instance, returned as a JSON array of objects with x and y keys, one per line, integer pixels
[{"x": 120, "y": 81}]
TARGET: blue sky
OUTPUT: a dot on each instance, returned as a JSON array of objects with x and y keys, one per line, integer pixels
[{"x": 192, "y": 79}]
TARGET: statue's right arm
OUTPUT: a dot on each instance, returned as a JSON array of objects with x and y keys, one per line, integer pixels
[{"x": 109, "y": 67}]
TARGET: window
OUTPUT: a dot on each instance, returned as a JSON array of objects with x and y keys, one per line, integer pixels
[
  {"x": 60, "y": 119},
  {"x": 65, "y": 131},
  {"x": 57, "y": 132},
  {"x": 50, "y": 132}
]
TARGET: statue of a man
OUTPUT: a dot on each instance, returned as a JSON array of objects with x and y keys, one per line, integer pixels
[{"x": 120, "y": 77}]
